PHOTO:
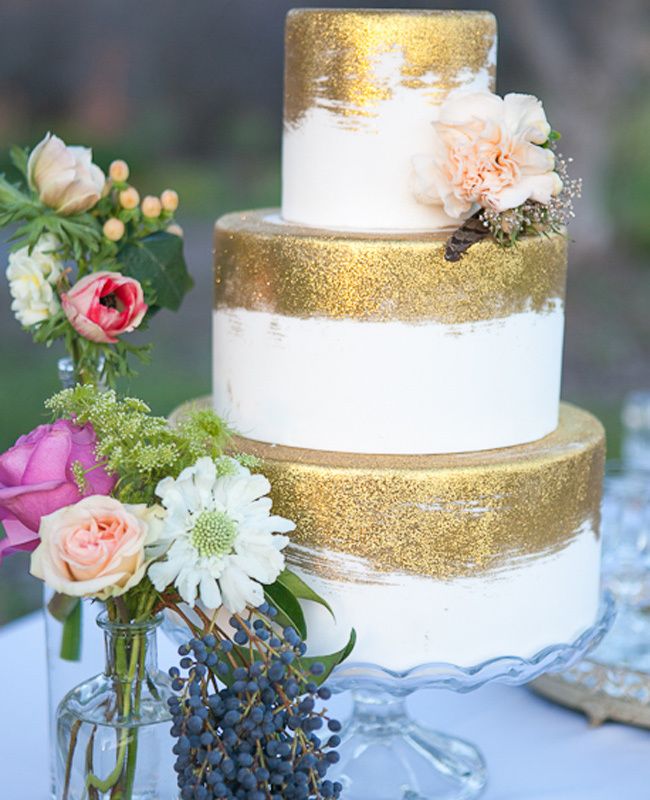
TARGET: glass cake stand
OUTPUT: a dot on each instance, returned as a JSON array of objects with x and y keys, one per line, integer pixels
[{"x": 385, "y": 755}]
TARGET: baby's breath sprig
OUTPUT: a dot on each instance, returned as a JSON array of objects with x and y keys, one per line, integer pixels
[
  {"x": 137, "y": 446},
  {"x": 532, "y": 217}
]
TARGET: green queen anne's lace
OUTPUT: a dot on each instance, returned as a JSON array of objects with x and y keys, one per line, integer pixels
[{"x": 135, "y": 445}]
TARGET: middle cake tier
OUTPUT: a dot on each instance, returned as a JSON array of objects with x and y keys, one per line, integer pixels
[{"x": 374, "y": 343}]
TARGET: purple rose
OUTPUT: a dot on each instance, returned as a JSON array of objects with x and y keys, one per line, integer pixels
[{"x": 36, "y": 479}]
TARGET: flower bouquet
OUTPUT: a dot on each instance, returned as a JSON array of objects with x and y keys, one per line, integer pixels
[
  {"x": 91, "y": 261},
  {"x": 155, "y": 521}
]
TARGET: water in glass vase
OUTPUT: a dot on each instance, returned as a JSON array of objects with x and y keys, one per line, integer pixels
[{"x": 112, "y": 731}]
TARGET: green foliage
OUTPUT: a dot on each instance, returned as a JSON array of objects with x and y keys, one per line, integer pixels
[
  {"x": 329, "y": 661},
  {"x": 289, "y": 610},
  {"x": 300, "y": 590},
  {"x": 157, "y": 262},
  {"x": 554, "y": 136},
  {"x": 627, "y": 189},
  {"x": 203, "y": 428},
  {"x": 81, "y": 235},
  {"x": 19, "y": 156},
  {"x": 138, "y": 447}
]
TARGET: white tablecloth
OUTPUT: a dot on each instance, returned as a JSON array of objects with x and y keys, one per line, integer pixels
[{"x": 534, "y": 750}]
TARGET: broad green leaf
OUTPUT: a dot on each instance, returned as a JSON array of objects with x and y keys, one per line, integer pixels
[
  {"x": 158, "y": 263},
  {"x": 301, "y": 590},
  {"x": 289, "y": 610},
  {"x": 330, "y": 661}
]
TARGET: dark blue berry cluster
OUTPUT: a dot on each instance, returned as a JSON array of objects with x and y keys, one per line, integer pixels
[{"x": 247, "y": 718}]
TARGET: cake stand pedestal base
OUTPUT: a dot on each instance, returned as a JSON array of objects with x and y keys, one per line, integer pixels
[{"x": 386, "y": 755}]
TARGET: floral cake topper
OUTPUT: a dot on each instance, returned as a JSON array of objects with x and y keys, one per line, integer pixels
[{"x": 493, "y": 167}]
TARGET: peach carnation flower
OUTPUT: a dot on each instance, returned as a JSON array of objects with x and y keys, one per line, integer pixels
[
  {"x": 487, "y": 154},
  {"x": 97, "y": 547}
]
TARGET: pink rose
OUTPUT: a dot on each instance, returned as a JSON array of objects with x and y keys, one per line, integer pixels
[
  {"x": 486, "y": 153},
  {"x": 104, "y": 305},
  {"x": 36, "y": 479},
  {"x": 97, "y": 547}
]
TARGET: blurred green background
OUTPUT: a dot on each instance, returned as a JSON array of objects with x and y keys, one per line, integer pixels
[{"x": 190, "y": 94}]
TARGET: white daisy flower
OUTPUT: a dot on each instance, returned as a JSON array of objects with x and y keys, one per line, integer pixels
[{"x": 224, "y": 542}]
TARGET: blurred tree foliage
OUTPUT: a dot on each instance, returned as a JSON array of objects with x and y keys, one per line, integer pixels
[{"x": 628, "y": 178}]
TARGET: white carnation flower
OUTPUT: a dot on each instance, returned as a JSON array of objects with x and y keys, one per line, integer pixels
[
  {"x": 224, "y": 542},
  {"x": 32, "y": 278}
]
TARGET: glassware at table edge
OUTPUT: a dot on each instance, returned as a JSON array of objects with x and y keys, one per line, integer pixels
[
  {"x": 385, "y": 755},
  {"x": 115, "y": 725},
  {"x": 613, "y": 682}
]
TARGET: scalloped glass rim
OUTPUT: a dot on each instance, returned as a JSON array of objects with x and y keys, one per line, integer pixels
[{"x": 511, "y": 670}]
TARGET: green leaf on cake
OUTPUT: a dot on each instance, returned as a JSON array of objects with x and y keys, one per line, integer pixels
[{"x": 158, "y": 263}]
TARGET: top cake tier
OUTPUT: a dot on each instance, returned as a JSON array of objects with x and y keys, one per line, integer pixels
[{"x": 361, "y": 91}]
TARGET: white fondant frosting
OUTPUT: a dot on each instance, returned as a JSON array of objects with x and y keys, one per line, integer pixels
[
  {"x": 388, "y": 387},
  {"x": 355, "y": 171},
  {"x": 361, "y": 178},
  {"x": 402, "y": 621}
]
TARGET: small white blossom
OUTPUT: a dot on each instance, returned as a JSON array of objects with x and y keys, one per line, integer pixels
[
  {"x": 32, "y": 278},
  {"x": 224, "y": 542}
]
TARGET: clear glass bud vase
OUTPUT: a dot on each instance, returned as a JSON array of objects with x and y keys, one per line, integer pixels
[
  {"x": 112, "y": 732},
  {"x": 63, "y": 674}
]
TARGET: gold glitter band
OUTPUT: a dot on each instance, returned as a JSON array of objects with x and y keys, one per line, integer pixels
[
  {"x": 264, "y": 264},
  {"x": 442, "y": 516},
  {"x": 333, "y": 57}
]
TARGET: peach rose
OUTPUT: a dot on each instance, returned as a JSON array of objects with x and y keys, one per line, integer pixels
[
  {"x": 487, "y": 154},
  {"x": 97, "y": 547},
  {"x": 104, "y": 305}
]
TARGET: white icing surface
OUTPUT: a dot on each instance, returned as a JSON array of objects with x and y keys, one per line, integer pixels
[
  {"x": 388, "y": 387},
  {"x": 355, "y": 172},
  {"x": 403, "y": 621}
]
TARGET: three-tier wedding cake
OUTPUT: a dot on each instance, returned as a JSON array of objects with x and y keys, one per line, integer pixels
[{"x": 405, "y": 405}]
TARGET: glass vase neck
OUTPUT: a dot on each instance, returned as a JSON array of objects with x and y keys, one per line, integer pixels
[
  {"x": 131, "y": 649},
  {"x": 69, "y": 374}
]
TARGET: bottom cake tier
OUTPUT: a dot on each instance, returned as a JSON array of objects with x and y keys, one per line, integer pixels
[{"x": 457, "y": 558}]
